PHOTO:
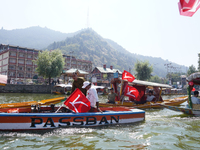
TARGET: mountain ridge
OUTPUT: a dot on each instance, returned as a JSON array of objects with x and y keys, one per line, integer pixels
[{"x": 86, "y": 44}]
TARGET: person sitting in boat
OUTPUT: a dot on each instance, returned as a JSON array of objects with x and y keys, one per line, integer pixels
[
  {"x": 92, "y": 96},
  {"x": 194, "y": 99},
  {"x": 150, "y": 97},
  {"x": 111, "y": 96}
]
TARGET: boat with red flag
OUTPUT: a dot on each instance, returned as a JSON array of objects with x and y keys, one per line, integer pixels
[
  {"x": 76, "y": 112},
  {"x": 131, "y": 93},
  {"x": 44, "y": 118}
]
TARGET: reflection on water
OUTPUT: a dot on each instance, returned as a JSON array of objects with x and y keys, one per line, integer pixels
[{"x": 162, "y": 129}]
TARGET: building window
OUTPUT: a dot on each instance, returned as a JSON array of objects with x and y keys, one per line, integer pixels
[
  {"x": 20, "y": 68},
  {"x": 28, "y": 69},
  {"x": 21, "y": 54},
  {"x": 30, "y": 56},
  {"x": 20, "y": 75},
  {"x": 12, "y": 60},
  {"x": 28, "y": 75},
  {"x": 29, "y": 62},
  {"x": 21, "y": 61},
  {"x": 11, "y": 74},
  {"x": 12, "y": 67},
  {"x": 12, "y": 53}
]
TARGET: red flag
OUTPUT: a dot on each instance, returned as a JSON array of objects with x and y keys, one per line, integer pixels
[
  {"x": 193, "y": 89},
  {"x": 131, "y": 92},
  {"x": 187, "y": 4},
  {"x": 127, "y": 76},
  {"x": 188, "y": 7},
  {"x": 78, "y": 102}
]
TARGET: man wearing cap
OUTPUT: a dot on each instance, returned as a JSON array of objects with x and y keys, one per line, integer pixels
[
  {"x": 78, "y": 83},
  {"x": 111, "y": 96},
  {"x": 91, "y": 95}
]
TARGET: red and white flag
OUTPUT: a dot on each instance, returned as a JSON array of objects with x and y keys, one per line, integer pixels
[
  {"x": 188, "y": 7},
  {"x": 131, "y": 92},
  {"x": 78, "y": 102},
  {"x": 127, "y": 76}
]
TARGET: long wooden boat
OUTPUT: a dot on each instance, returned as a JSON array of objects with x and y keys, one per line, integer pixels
[
  {"x": 18, "y": 119},
  {"x": 142, "y": 86},
  {"x": 172, "y": 102},
  {"x": 28, "y": 104},
  {"x": 189, "y": 111},
  {"x": 193, "y": 109}
]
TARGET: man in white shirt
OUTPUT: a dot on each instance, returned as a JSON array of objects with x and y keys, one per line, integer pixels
[
  {"x": 91, "y": 95},
  {"x": 194, "y": 99},
  {"x": 150, "y": 97}
]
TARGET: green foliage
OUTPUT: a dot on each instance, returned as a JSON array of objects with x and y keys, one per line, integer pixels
[
  {"x": 143, "y": 70},
  {"x": 156, "y": 79},
  {"x": 191, "y": 70},
  {"x": 174, "y": 77},
  {"x": 49, "y": 64}
]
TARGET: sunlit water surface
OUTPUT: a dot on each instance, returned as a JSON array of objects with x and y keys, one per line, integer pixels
[{"x": 162, "y": 129}]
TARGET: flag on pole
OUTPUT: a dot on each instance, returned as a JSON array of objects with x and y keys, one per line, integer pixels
[
  {"x": 188, "y": 7},
  {"x": 78, "y": 102},
  {"x": 127, "y": 76},
  {"x": 131, "y": 92}
]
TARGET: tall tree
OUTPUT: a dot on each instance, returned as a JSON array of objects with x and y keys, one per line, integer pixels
[
  {"x": 143, "y": 70},
  {"x": 50, "y": 64},
  {"x": 191, "y": 70},
  {"x": 156, "y": 79}
]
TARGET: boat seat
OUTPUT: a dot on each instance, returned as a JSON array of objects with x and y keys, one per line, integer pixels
[{"x": 196, "y": 106}]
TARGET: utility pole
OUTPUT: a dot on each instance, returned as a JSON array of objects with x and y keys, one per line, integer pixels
[
  {"x": 71, "y": 52},
  {"x": 168, "y": 66}
]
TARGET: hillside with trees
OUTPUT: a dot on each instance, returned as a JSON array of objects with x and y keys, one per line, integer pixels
[
  {"x": 91, "y": 46},
  {"x": 85, "y": 44}
]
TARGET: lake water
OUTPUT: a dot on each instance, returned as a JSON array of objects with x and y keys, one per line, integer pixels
[{"x": 162, "y": 129}]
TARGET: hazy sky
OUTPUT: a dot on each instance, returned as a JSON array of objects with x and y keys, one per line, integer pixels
[{"x": 147, "y": 27}]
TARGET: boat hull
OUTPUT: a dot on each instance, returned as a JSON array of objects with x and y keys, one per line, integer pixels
[
  {"x": 188, "y": 111},
  {"x": 44, "y": 121},
  {"x": 148, "y": 105}
]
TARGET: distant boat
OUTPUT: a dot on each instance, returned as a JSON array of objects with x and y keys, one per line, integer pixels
[
  {"x": 194, "y": 109},
  {"x": 62, "y": 89}
]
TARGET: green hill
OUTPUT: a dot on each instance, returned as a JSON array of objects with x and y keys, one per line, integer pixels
[
  {"x": 91, "y": 46},
  {"x": 86, "y": 44}
]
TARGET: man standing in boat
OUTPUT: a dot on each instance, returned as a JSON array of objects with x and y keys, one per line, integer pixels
[
  {"x": 195, "y": 99},
  {"x": 91, "y": 96},
  {"x": 78, "y": 83},
  {"x": 111, "y": 96}
]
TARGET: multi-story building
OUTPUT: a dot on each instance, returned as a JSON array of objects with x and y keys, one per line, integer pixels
[
  {"x": 72, "y": 62},
  {"x": 17, "y": 62}
]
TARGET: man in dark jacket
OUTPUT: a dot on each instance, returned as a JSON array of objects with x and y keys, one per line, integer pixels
[{"x": 78, "y": 83}]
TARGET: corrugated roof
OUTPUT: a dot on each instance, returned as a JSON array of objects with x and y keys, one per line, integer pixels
[
  {"x": 108, "y": 70},
  {"x": 72, "y": 70}
]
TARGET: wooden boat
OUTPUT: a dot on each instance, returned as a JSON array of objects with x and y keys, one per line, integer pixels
[
  {"x": 142, "y": 86},
  {"x": 193, "y": 109},
  {"x": 17, "y": 119},
  {"x": 60, "y": 89},
  {"x": 28, "y": 104},
  {"x": 189, "y": 111}
]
